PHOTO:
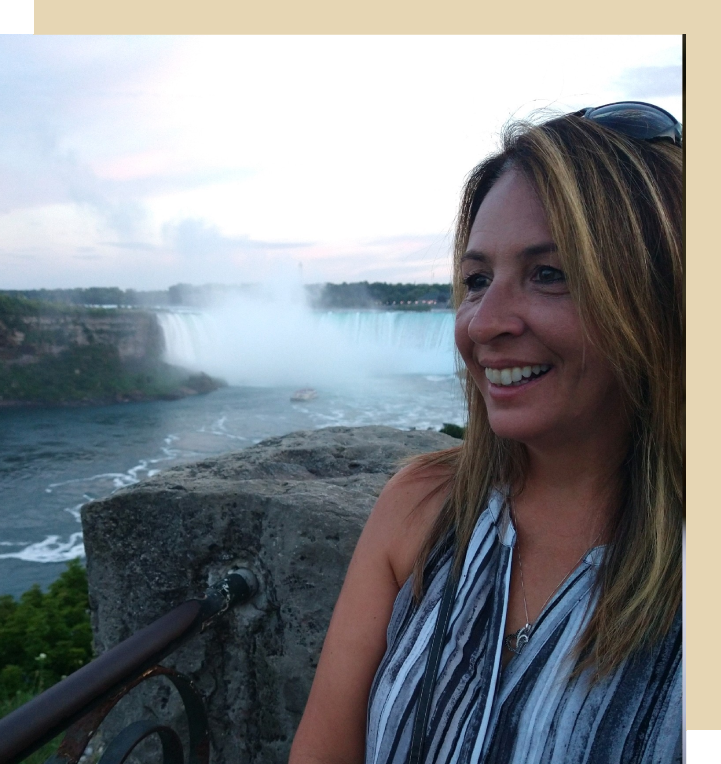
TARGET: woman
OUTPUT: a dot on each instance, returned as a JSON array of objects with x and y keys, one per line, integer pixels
[{"x": 517, "y": 599}]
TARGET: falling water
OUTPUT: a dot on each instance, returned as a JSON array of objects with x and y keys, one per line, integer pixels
[{"x": 255, "y": 344}]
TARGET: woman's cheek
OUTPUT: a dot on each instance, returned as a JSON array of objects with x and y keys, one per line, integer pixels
[{"x": 463, "y": 340}]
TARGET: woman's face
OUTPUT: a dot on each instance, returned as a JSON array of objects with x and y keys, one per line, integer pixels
[{"x": 520, "y": 334}]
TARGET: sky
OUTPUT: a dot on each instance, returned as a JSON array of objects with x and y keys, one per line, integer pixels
[{"x": 142, "y": 162}]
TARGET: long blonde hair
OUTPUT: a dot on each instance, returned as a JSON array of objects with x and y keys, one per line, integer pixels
[{"x": 615, "y": 210}]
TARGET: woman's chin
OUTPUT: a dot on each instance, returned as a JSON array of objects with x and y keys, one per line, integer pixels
[{"x": 520, "y": 429}]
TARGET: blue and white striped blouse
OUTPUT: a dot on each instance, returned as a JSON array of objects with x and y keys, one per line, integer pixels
[{"x": 529, "y": 712}]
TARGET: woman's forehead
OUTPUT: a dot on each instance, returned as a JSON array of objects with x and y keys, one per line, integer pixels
[{"x": 511, "y": 215}]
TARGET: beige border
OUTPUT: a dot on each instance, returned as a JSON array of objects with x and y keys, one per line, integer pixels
[
  {"x": 703, "y": 619},
  {"x": 703, "y": 593},
  {"x": 334, "y": 17}
]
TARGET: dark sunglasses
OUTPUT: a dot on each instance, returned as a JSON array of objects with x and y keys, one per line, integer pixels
[{"x": 636, "y": 119}]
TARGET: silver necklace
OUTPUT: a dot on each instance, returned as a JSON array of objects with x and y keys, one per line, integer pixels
[{"x": 517, "y": 640}]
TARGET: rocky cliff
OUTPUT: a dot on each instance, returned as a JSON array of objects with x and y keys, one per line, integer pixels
[
  {"x": 62, "y": 354},
  {"x": 27, "y": 336},
  {"x": 291, "y": 509}
]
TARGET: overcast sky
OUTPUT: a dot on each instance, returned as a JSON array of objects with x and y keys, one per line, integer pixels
[{"x": 142, "y": 162}]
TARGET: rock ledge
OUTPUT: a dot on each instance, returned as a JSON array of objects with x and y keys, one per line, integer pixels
[{"x": 290, "y": 508}]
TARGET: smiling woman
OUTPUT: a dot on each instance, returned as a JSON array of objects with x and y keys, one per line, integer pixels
[
  {"x": 518, "y": 315},
  {"x": 517, "y": 599}
]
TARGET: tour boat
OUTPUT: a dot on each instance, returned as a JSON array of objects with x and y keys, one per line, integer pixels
[{"x": 304, "y": 394}]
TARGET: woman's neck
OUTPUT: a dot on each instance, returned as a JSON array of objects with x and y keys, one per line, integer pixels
[{"x": 573, "y": 496}]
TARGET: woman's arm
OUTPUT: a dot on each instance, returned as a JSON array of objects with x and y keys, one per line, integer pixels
[{"x": 333, "y": 727}]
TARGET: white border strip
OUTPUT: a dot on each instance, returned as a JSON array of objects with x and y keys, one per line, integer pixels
[
  {"x": 17, "y": 16},
  {"x": 703, "y": 747}
]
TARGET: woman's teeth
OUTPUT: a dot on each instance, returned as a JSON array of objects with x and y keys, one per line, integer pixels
[{"x": 515, "y": 376}]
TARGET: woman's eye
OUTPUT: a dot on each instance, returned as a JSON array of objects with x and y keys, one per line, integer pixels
[
  {"x": 476, "y": 281},
  {"x": 546, "y": 274}
]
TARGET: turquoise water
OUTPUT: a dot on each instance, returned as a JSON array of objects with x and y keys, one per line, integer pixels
[{"x": 54, "y": 460}]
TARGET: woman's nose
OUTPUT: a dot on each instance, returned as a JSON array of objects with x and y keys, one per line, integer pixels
[{"x": 498, "y": 313}]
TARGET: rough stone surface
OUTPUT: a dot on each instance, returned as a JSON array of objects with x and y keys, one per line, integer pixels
[
  {"x": 290, "y": 508},
  {"x": 136, "y": 334}
]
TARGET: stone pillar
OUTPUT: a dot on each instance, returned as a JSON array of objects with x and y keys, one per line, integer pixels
[{"x": 291, "y": 509}]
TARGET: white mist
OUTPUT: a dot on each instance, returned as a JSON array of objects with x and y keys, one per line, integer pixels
[{"x": 274, "y": 339}]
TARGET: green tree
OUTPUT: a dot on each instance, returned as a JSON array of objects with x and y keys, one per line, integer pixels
[{"x": 45, "y": 635}]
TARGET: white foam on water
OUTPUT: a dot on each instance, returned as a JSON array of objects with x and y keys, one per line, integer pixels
[
  {"x": 120, "y": 480},
  {"x": 51, "y": 549},
  {"x": 75, "y": 511},
  {"x": 218, "y": 428}
]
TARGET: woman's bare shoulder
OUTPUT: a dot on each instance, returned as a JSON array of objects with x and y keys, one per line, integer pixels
[
  {"x": 356, "y": 638},
  {"x": 405, "y": 512}
]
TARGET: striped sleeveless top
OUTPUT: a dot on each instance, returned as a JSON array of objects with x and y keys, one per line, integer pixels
[{"x": 529, "y": 712}]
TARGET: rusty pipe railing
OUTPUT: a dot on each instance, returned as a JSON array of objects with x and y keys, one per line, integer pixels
[{"x": 81, "y": 701}]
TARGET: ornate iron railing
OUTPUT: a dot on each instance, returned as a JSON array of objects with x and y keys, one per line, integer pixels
[{"x": 80, "y": 702}]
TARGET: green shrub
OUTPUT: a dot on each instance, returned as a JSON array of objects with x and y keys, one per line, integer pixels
[
  {"x": 44, "y": 636},
  {"x": 454, "y": 430}
]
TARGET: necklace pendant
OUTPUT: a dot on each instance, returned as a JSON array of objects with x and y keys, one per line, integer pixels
[{"x": 518, "y": 640}]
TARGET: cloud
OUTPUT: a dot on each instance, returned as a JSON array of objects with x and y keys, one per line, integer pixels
[
  {"x": 651, "y": 81},
  {"x": 195, "y": 237},
  {"x": 36, "y": 172},
  {"x": 104, "y": 139},
  {"x": 70, "y": 113},
  {"x": 19, "y": 256},
  {"x": 410, "y": 258},
  {"x": 53, "y": 80},
  {"x": 135, "y": 245},
  {"x": 406, "y": 240}
]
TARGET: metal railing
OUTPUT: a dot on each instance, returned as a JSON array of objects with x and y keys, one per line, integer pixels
[{"x": 80, "y": 702}]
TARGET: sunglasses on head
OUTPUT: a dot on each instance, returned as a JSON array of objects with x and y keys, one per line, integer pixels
[{"x": 635, "y": 119}]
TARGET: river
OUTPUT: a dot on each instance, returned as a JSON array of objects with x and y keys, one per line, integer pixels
[{"x": 395, "y": 369}]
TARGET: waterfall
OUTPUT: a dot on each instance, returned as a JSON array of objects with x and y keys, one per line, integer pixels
[{"x": 276, "y": 344}]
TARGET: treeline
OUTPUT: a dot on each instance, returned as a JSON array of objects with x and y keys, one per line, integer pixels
[
  {"x": 14, "y": 309},
  {"x": 361, "y": 294},
  {"x": 378, "y": 294},
  {"x": 93, "y": 296}
]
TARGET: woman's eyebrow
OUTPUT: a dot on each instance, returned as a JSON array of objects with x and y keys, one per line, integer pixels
[
  {"x": 535, "y": 250},
  {"x": 475, "y": 254}
]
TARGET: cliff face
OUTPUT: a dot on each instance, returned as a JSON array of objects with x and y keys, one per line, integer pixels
[
  {"x": 291, "y": 509},
  {"x": 53, "y": 354},
  {"x": 135, "y": 335}
]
